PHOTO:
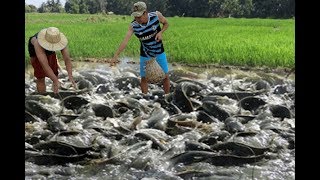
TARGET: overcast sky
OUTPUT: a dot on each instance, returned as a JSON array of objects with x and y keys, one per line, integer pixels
[{"x": 38, "y": 3}]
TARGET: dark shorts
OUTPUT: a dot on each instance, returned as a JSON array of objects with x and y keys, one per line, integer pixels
[{"x": 38, "y": 70}]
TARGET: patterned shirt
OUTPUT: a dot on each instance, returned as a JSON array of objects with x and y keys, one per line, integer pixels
[{"x": 149, "y": 47}]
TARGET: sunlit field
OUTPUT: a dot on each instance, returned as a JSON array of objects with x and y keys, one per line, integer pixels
[{"x": 223, "y": 41}]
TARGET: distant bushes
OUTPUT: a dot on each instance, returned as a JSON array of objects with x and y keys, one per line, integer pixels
[{"x": 181, "y": 8}]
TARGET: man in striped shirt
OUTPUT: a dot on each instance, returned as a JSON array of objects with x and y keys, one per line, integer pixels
[{"x": 146, "y": 27}]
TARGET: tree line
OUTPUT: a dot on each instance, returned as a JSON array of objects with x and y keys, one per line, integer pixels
[{"x": 170, "y": 8}]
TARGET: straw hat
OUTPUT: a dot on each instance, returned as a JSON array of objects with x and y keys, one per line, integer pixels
[{"x": 52, "y": 39}]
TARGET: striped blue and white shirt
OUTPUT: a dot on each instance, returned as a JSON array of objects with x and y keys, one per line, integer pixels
[{"x": 146, "y": 33}]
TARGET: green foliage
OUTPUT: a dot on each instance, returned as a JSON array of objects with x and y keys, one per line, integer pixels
[
  {"x": 51, "y": 6},
  {"x": 30, "y": 8},
  {"x": 228, "y": 41},
  {"x": 72, "y": 6},
  {"x": 83, "y": 7},
  {"x": 183, "y": 8},
  {"x": 273, "y": 9}
]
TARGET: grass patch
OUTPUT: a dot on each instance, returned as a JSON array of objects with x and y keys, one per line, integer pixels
[{"x": 225, "y": 41}]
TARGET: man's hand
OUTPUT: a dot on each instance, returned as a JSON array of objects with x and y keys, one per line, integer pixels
[
  {"x": 56, "y": 86},
  {"x": 158, "y": 37},
  {"x": 73, "y": 83}
]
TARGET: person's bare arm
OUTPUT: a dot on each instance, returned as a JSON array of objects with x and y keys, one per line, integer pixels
[
  {"x": 41, "y": 55},
  {"x": 165, "y": 26},
  {"x": 67, "y": 62},
  {"x": 122, "y": 45}
]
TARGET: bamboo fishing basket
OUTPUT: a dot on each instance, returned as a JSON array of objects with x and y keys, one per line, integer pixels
[{"x": 154, "y": 72}]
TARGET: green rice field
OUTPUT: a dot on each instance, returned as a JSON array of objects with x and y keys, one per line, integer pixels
[{"x": 223, "y": 41}]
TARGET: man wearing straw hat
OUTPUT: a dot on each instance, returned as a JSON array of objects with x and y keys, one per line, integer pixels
[
  {"x": 146, "y": 27},
  {"x": 42, "y": 47}
]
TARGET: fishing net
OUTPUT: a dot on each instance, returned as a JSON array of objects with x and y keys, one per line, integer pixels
[{"x": 154, "y": 73}]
